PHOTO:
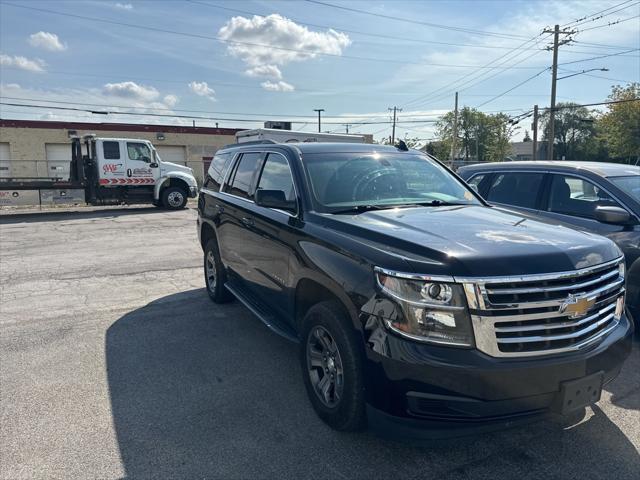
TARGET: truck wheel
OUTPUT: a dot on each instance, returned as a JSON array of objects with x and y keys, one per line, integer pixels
[
  {"x": 332, "y": 367},
  {"x": 214, "y": 274},
  {"x": 174, "y": 198}
]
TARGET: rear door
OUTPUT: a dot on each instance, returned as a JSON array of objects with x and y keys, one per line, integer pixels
[
  {"x": 520, "y": 191},
  {"x": 236, "y": 236}
]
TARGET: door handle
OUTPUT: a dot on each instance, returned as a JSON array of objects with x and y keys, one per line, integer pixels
[
  {"x": 220, "y": 208},
  {"x": 248, "y": 221}
]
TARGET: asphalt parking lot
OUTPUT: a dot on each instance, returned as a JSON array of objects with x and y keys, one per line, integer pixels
[{"x": 115, "y": 364}]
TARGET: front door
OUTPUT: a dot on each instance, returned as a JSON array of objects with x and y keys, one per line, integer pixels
[{"x": 141, "y": 168}]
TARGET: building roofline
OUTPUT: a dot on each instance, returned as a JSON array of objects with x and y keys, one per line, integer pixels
[{"x": 118, "y": 127}]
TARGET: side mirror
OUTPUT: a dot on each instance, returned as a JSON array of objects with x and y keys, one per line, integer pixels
[
  {"x": 274, "y": 199},
  {"x": 153, "y": 165},
  {"x": 615, "y": 215}
]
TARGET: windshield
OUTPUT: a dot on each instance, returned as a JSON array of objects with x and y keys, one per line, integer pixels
[
  {"x": 340, "y": 181},
  {"x": 629, "y": 185}
]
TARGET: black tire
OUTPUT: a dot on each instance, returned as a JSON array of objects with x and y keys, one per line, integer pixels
[
  {"x": 216, "y": 278},
  {"x": 174, "y": 198},
  {"x": 345, "y": 411}
]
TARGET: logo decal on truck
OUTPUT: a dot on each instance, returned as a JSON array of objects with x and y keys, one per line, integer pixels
[
  {"x": 576, "y": 306},
  {"x": 111, "y": 167}
]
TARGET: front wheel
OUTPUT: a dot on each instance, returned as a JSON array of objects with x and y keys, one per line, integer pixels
[
  {"x": 174, "y": 198},
  {"x": 332, "y": 367}
]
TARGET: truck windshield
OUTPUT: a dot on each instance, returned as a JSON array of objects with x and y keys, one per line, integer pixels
[{"x": 343, "y": 181}]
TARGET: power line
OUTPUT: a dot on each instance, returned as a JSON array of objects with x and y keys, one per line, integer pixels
[
  {"x": 168, "y": 115},
  {"x": 235, "y": 42},
  {"x": 418, "y": 22},
  {"x": 610, "y": 24},
  {"x": 597, "y": 15},
  {"x": 599, "y": 57},
  {"x": 514, "y": 87},
  {"x": 356, "y": 32}
]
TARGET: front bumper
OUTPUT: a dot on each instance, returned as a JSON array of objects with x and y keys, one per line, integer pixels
[{"x": 444, "y": 389}]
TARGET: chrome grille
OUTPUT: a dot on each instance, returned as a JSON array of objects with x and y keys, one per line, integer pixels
[{"x": 545, "y": 314}]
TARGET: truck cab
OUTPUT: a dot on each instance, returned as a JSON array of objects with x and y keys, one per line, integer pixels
[{"x": 124, "y": 170}]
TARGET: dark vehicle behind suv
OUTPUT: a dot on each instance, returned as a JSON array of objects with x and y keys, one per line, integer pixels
[
  {"x": 603, "y": 198},
  {"x": 416, "y": 306}
]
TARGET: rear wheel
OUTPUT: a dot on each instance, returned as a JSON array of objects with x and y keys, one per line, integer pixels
[
  {"x": 174, "y": 198},
  {"x": 332, "y": 366},
  {"x": 214, "y": 274}
]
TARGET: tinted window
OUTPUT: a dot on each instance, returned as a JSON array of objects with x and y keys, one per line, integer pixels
[
  {"x": 111, "y": 150},
  {"x": 216, "y": 170},
  {"x": 516, "y": 188},
  {"x": 276, "y": 175},
  {"x": 576, "y": 197},
  {"x": 139, "y": 151},
  {"x": 344, "y": 180},
  {"x": 241, "y": 183},
  {"x": 475, "y": 182},
  {"x": 630, "y": 185}
]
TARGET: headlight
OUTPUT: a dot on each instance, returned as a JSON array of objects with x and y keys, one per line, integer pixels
[{"x": 433, "y": 311}]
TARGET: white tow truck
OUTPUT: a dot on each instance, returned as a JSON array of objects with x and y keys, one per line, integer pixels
[{"x": 117, "y": 170}]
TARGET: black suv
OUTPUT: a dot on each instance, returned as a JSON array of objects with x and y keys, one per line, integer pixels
[{"x": 415, "y": 304}]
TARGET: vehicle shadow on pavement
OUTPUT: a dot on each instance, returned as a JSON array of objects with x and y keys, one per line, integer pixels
[
  {"x": 200, "y": 390},
  {"x": 53, "y": 216}
]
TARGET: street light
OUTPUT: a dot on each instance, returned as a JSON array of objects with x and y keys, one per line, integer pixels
[{"x": 585, "y": 71}]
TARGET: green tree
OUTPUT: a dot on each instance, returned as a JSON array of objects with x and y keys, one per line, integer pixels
[
  {"x": 574, "y": 130},
  {"x": 619, "y": 127},
  {"x": 480, "y": 136}
]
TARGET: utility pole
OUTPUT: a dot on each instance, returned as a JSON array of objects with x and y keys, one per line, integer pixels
[
  {"x": 319, "y": 110},
  {"x": 455, "y": 130},
  {"x": 395, "y": 110},
  {"x": 347, "y": 125},
  {"x": 534, "y": 130},
  {"x": 554, "y": 78}
]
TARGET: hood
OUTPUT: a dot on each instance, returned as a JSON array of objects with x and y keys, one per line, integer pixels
[
  {"x": 474, "y": 241},
  {"x": 175, "y": 167}
]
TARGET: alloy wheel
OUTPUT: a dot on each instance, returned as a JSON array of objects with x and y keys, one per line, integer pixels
[
  {"x": 211, "y": 271},
  {"x": 324, "y": 366}
]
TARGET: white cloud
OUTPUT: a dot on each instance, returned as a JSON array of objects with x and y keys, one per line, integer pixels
[
  {"x": 130, "y": 90},
  {"x": 277, "y": 86},
  {"x": 203, "y": 90},
  {"x": 123, "y": 6},
  {"x": 23, "y": 63},
  {"x": 48, "y": 41},
  {"x": 170, "y": 100},
  {"x": 266, "y": 71},
  {"x": 264, "y": 43}
]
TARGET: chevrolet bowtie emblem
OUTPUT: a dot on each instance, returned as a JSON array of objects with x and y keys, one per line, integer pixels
[{"x": 576, "y": 306}]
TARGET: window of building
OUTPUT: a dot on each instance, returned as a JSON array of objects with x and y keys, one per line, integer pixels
[{"x": 519, "y": 189}]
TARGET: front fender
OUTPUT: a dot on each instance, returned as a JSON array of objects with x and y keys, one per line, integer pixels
[{"x": 185, "y": 177}]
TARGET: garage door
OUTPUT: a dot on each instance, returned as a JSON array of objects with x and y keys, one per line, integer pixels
[
  {"x": 5, "y": 163},
  {"x": 172, "y": 154},
  {"x": 58, "y": 160}
]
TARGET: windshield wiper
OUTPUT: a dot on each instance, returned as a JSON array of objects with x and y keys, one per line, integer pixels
[
  {"x": 432, "y": 203},
  {"x": 363, "y": 208}
]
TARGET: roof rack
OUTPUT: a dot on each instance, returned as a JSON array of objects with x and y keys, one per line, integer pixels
[{"x": 253, "y": 142}]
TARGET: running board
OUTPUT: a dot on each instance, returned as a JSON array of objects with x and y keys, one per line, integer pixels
[{"x": 268, "y": 318}]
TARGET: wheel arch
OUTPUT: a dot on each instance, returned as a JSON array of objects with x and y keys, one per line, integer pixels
[
  {"x": 310, "y": 292},
  {"x": 171, "y": 181}
]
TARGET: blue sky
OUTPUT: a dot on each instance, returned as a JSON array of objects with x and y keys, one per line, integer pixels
[{"x": 275, "y": 59}]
